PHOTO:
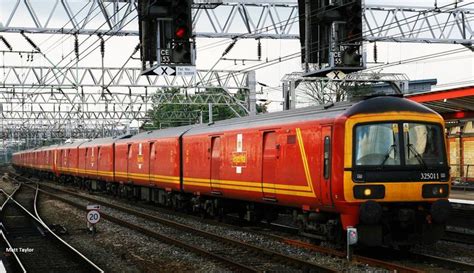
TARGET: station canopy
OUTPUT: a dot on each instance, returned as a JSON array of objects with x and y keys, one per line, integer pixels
[{"x": 453, "y": 104}]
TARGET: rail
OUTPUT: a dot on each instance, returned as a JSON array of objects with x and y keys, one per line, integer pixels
[
  {"x": 56, "y": 241},
  {"x": 328, "y": 251}
]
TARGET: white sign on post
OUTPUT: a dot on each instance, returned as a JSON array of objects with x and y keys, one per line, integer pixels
[
  {"x": 93, "y": 207},
  {"x": 93, "y": 217},
  {"x": 165, "y": 71},
  {"x": 336, "y": 75}
]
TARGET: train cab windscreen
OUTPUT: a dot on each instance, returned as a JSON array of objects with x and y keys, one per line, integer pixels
[{"x": 399, "y": 144}]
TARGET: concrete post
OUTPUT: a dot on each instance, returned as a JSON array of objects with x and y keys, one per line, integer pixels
[
  {"x": 252, "y": 84},
  {"x": 292, "y": 94}
]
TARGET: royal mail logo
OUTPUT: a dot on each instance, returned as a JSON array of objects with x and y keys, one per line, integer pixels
[
  {"x": 140, "y": 158},
  {"x": 239, "y": 159}
]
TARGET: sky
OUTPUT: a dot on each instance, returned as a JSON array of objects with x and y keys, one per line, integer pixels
[{"x": 447, "y": 70}]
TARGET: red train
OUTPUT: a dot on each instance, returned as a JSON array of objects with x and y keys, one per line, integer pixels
[{"x": 379, "y": 165}]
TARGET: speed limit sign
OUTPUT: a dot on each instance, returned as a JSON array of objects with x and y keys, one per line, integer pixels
[{"x": 93, "y": 216}]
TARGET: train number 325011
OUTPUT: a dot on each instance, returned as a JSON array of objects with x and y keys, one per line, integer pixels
[{"x": 429, "y": 176}]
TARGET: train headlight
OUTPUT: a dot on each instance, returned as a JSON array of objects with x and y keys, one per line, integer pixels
[
  {"x": 435, "y": 190},
  {"x": 369, "y": 191}
]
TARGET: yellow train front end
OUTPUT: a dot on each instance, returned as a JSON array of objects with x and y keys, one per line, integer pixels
[{"x": 396, "y": 170}]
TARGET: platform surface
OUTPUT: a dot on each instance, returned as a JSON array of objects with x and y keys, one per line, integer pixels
[
  {"x": 464, "y": 197},
  {"x": 459, "y": 194}
]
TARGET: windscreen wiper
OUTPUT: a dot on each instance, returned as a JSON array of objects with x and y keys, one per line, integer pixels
[
  {"x": 387, "y": 155},
  {"x": 417, "y": 154}
]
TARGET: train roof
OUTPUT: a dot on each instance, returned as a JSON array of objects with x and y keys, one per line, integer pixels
[
  {"x": 104, "y": 140},
  {"x": 73, "y": 144},
  {"x": 367, "y": 105},
  {"x": 37, "y": 149},
  {"x": 269, "y": 119},
  {"x": 387, "y": 104},
  {"x": 377, "y": 104},
  {"x": 161, "y": 133}
]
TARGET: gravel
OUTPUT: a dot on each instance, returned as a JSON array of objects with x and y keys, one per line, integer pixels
[
  {"x": 455, "y": 251},
  {"x": 118, "y": 249},
  {"x": 141, "y": 253},
  {"x": 237, "y": 234}
]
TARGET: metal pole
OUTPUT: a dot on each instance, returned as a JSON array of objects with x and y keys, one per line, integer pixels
[{"x": 307, "y": 33}]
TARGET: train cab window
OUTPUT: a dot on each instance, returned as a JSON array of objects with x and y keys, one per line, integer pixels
[
  {"x": 423, "y": 144},
  {"x": 377, "y": 144},
  {"x": 410, "y": 144},
  {"x": 327, "y": 156}
]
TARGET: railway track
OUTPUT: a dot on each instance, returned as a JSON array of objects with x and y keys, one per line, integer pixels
[
  {"x": 328, "y": 251},
  {"x": 31, "y": 246},
  {"x": 364, "y": 259},
  {"x": 459, "y": 237},
  {"x": 234, "y": 254},
  {"x": 388, "y": 263}
]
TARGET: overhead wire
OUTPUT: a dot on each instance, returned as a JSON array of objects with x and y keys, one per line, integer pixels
[
  {"x": 280, "y": 58},
  {"x": 298, "y": 54},
  {"x": 71, "y": 31},
  {"x": 72, "y": 51},
  {"x": 315, "y": 13}
]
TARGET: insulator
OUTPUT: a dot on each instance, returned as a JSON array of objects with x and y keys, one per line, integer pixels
[
  {"x": 375, "y": 51},
  {"x": 102, "y": 46},
  {"x": 259, "y": 50},
  {"x": 76, "y": 46},
  {"x": 6, "y": 43},
  {"x": 30, "y": 41},
  {"x": 229, "y": 47}
]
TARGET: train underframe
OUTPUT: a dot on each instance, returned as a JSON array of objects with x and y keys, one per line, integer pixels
[{"x": 396, "y": 224}]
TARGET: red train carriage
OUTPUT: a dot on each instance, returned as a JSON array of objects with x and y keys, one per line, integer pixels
[
  {"x": 67, "y": 159},
  {"x": 274, "y": 160},
  {"x": 379, "y": 165},
  {"x": 151, "y": 160}
]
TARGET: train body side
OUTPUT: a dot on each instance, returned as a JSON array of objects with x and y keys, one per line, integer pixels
[{"x": 278, "y": 165}]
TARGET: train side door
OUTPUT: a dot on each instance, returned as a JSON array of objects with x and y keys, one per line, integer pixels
[
  {"x": 326, "y": 139},
  {"x": 269, "y": 164},
  {"x": 215, "y": 163}
]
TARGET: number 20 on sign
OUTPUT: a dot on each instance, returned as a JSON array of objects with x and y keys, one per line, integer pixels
[{"x": 93, "y": 217}]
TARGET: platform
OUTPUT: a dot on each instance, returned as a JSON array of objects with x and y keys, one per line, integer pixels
[{"x": 464, "y": 197}]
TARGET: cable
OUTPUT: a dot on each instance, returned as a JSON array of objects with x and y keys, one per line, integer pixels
[
  {"x": 315, "y": 13},
  {"x": 52, "y": 35},
  {"x": 284, "y": 58},
  {"x": 295, "y": 55}
]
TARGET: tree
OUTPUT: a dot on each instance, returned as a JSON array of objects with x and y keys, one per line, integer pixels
[
  {"x": 325, "y": 91},
  {"x": 172, "y": 108}
]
